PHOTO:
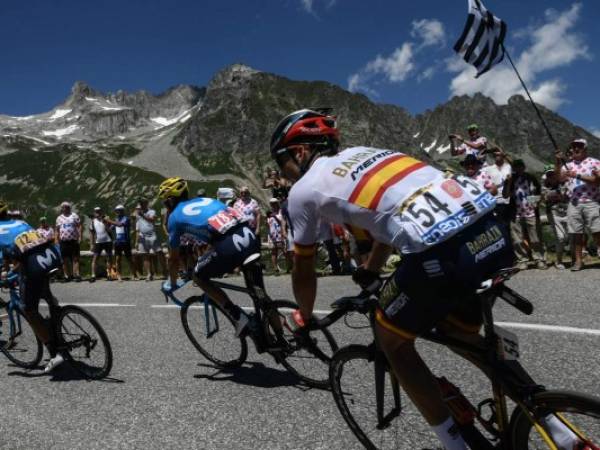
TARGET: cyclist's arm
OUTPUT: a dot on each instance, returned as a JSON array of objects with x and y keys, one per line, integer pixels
[
  {"x": 378, "y": 256},
  {"x": 304, "y": 281},
  {"x": 303, "y": 212},
  {"x": 174, "y": 236}
]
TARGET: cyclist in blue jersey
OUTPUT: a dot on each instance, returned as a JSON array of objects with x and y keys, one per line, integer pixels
[
  {"x": 33, "y": 257},
  {"x": 205, "y": 219}
]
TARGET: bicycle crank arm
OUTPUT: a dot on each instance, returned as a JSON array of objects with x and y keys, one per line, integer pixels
[{"x": 387, "y": 419}]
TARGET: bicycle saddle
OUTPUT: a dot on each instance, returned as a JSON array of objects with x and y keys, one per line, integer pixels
[{"x": 250, "y": 259}]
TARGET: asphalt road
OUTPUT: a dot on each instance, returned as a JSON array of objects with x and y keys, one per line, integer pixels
[{"x": 164, "y": 395}]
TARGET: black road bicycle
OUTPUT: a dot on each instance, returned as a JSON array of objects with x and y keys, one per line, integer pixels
[
  {"x": 79, "y": 336},
  {"x": 212, "y": 331},
  {"x": 371, "y": 401}
]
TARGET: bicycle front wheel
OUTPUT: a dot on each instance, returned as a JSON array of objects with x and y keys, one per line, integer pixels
[
  {"x": 371, "y": 402},
  {"x": 18, "y": 341},
  {"x": 84, "y": 342},
  {"x": 212, "y": 332},
  {"x": 579, "y": 412}
]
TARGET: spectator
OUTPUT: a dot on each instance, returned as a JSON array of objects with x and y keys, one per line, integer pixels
[
  {"x": 475, "y": 145},
  {"x": 68, "y": 234},
  {"x": 100, "y": 242},
  {"x": 15, "y": 214},
  {"x": 473, "y": 170},
  {"x": 201, "y": 193},
  {"x": 271, "y": 176},
  {"x": 280, "y": 189},
  {"x": 226, "y": 195},
  {"x": 582, "y": 177},
  {"x": 524, "y": 189},
  {"x": 146, "y": 239},
  {"x": 248, "y": 208},
  {"x": 45, "y": 229},
  {"x": 277, "y": 239},
  {"x": 555, "y": 196},
  {"x": 122, "y": 230},
  {"x": 499, "y": 173}
]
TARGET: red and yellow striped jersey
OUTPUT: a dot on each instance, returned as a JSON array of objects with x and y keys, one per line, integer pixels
[{"x": 395, "y": 198}]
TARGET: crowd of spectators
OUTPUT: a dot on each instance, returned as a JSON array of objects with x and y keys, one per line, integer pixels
[
  {"x": 567, "y": 192},
  {"x": 566, "y": 197}
]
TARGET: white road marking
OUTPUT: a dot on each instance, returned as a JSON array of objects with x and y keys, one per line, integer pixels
[
  {"x": 324, "y": 312},
  {"x": 551, "y": 328},
  {"x": 95, "y": 305}
]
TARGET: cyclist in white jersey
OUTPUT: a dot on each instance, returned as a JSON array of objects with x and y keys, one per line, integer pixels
[{"x": 442, "y": 224}]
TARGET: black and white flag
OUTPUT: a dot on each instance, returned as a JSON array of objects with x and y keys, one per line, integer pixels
[{"x": 482, "y": 39}]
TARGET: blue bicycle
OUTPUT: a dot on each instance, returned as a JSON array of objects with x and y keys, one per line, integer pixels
[
  {"x": 18, "y": 341},
  {"x": 212, "y": 331},
  {"x": 79, "y": 337}
]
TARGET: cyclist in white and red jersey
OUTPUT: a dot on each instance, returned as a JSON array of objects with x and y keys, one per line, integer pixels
[{"x": 442, "y": 224}]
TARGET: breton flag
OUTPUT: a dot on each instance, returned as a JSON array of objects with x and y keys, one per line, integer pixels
[{"x": 482, "y": 39}]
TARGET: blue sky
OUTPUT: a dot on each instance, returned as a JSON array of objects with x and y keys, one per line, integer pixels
[{"x": 396, "y": 52}]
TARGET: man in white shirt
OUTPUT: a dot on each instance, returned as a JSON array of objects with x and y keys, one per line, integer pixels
[
  {"x": 146, "y": 238},
  {"x": 474, "y": 145},
  {"x": 101, "y": 242},
  {"x": 499, "y": 172},
  {"x": 68, "y": 235}
]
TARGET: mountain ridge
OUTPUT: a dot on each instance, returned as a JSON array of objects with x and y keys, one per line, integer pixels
[{"x": 219, "y": 133}]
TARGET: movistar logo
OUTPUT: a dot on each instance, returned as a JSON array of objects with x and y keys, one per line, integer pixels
[
  {"x": 195, "y": 208},
  {"x": 5, "y": 229},
  {"x": 242, "y": 242},
  {"x": 46, "y": 260}
]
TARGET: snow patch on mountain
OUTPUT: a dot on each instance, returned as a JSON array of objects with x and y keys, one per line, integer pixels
[
  {"x": 60, "y": 113},
  {"x": 112, "y": 108},
  {"x": 443, "y": 148},
  {"x": 164, "y": 122},
  {"x": 430, "y": 147},
  {"x": 61, "y": 132}
]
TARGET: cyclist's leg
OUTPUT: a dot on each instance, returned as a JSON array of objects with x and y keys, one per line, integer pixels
[
  {"x": 31, "y": 291},
  {"x": 405, "y": 313},
  {"x": 225, "y": 255}
]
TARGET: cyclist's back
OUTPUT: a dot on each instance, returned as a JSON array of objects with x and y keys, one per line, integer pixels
[{"x": 399, "y": 200}]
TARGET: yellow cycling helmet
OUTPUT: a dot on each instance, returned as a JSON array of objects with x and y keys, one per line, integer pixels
[
  {"x": 3, "y": 207},
  {"x": 172, "y": 187}
]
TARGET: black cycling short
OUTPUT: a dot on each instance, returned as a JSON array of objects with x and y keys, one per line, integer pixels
[
  {"x": 100, "y": 247},
  {"x": 227, "y": 252},
  {"x": 37, "y": 264},
  {"x": 69, "y": 249},
  {"x": 123, "y": 248},
  {"x": 441, "y": 282}
]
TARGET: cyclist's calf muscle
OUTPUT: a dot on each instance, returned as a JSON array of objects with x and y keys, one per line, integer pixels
[{"x": 414, "y": 375}]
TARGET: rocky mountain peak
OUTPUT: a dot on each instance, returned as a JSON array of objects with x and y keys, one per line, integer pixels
[
  {"x": 233, "y": 75},
  {"x": 82, "y": 89}
]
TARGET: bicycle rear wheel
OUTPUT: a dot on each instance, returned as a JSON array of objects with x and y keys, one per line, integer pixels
[
  {"x": 308, "y": 357},
  {"x": 371, "y": 402},
  {"x": 18, "y": 341},
  {"x": 84, "y": 342},
  {"x": 212, "y": 332},
  {"x": 579, "y": 411}
]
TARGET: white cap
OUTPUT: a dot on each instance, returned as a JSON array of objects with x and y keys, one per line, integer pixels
[
  {"x": 97, "y": 208},
  {"x": 274, "y": 200},
  {"x": 119, "y": 207},
  {"x": 225, "y": 193},
  {"x": 580, "y": 141},
  {"x": 65, "y": 204}
]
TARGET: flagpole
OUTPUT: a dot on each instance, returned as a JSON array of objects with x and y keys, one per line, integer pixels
[{"x": 531, "y": 99}]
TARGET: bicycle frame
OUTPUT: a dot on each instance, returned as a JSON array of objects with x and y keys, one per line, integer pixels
[
  {"x": 14, "y": 303},
  {"x": 508, "y": 377},
  {"x": 254, "y": 289}
]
